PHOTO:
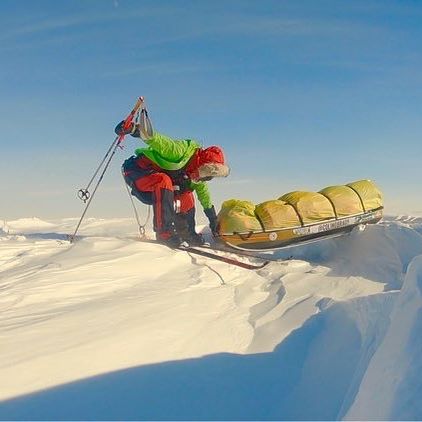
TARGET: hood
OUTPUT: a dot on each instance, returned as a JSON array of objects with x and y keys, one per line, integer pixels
[{"x": 208, "y": 163}]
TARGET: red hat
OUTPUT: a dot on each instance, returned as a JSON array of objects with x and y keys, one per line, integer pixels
[
  {"x": 208, "y": 163},
  {"x": 211, "y": 155}
]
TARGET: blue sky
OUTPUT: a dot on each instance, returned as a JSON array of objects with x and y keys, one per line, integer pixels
[{"x": 300, "y": 94}]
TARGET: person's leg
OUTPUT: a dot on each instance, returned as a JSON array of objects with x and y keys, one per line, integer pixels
[
  {"x": 185, "y": 219},
  {"x": 161, "y": 187},
  {"x": 185, "y": 204},
  {"x": 131, "y": 173}
]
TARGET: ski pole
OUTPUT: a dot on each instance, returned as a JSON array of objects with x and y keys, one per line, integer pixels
[{"x": 85, "y": 195}]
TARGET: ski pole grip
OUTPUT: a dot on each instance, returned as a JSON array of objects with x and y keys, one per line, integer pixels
[
  {"x": 135, "y": 109},
  {"x": 137, "y": 106}
]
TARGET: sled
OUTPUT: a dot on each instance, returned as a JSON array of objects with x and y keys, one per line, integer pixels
[{"x": 299, "y": 217}]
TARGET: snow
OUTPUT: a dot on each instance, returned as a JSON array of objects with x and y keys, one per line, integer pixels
[
  {"x": 397, "y": 360},
  {"x": 109, "y": 328}
]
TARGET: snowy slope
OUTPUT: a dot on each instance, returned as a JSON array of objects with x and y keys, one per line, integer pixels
[
  {"x": 392, "y": 387},
  {"x": 111, "y": 328}
]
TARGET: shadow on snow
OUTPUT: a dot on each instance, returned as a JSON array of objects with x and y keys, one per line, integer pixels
[{"x": 308, "y": 376}]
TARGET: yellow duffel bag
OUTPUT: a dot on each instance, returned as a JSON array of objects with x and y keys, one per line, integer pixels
[
  {"x": 369, "y": 193},
  {"x": 238, "y": 216},
  {"x": 311, "y": 206},
  {"x": 277, "y": 214},
  {"x": 345, "y": 200}
]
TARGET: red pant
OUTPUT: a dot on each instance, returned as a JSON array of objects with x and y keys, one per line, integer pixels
[{"x": 163, "y": 198}]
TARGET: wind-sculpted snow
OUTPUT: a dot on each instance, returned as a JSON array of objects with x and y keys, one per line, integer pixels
[
  {"x": 110, "y": 328},
  {"x": 392, "y": 387}
]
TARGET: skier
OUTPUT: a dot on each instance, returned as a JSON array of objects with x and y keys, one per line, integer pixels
[{"x": 165, "y": 174}]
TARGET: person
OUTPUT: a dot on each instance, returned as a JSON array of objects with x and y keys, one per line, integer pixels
[{"x": 165, "y": 174}]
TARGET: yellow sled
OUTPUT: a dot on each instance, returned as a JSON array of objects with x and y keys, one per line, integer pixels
[{"x": 299, "y": 217}]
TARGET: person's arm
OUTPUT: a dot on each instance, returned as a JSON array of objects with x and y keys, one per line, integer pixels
[
  {"x": 204, "y": 197},
  {"x": 203, "y": 193}
]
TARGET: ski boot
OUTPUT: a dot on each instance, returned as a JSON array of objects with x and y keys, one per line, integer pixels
[
  {"x": 196, "y": 239},
  {"x": 172, "y": 240}
]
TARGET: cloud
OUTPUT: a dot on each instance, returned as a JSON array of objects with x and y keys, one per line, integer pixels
[
  {"x": 38, "y": 26},
  {"x": 48, "y": 25},
  {"x": 230, "y": 181},
  {"x": 163, "y": 68},
  {"x": 248, "y": 24},
  {"x": 174, "y": 24}
]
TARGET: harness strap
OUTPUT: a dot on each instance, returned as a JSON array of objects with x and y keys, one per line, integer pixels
[{"x": 141, "y": 227}]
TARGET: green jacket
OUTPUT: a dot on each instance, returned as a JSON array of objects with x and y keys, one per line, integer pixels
[{"x": 173, "y": 155}]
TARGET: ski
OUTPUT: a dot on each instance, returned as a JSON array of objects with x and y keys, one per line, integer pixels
[
  {"x": 227, "y": 260},
  {"x": 213, "y": 255},
  {"x": 239, "y": 252}
]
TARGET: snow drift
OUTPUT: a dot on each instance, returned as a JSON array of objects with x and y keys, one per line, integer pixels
[
  {"x": 392, "y": 386},
  {"x": 111, "y": 328}
]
